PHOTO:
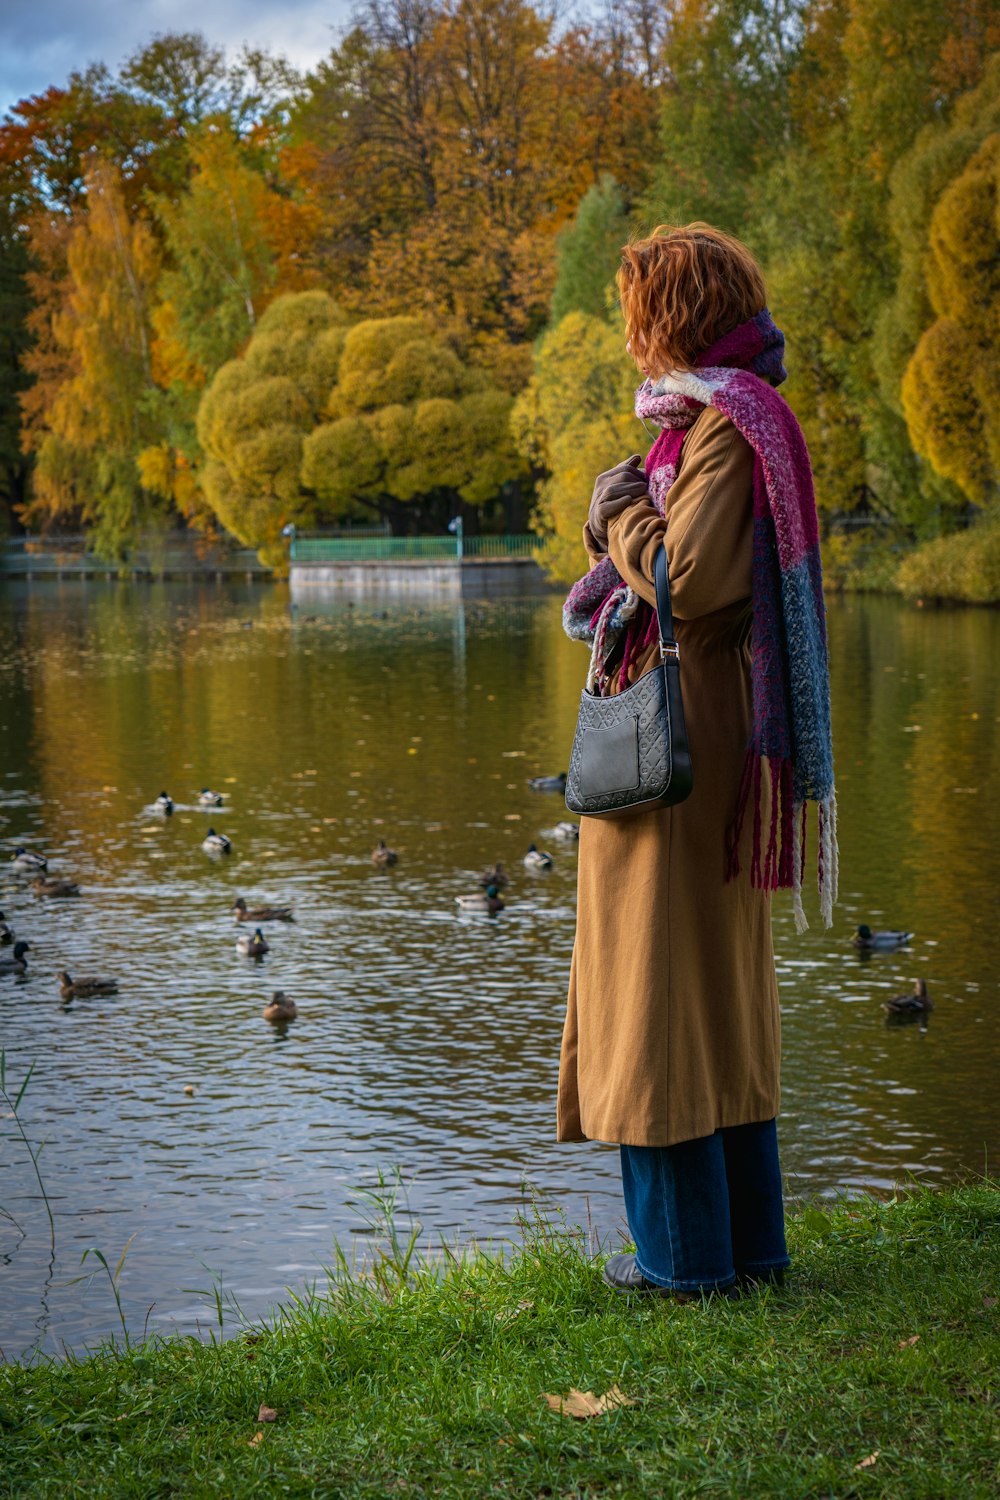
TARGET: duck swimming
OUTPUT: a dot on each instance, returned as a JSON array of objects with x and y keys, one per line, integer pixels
[
  {"x": 570, "y": 832},
  {"x": 280, "y": 1009},
  {"x": 880, "y": 942},
  {"x": 30, "y": 863},
  {"x": 494, "y": 875},
  {"x": 254, "y": 946},
  {"x": 208, "y": 798},
  {"x": 82, "y": 989},
  {"x": 164, "y": 805},
  {"x": 256, "y": 914},
  {"x": 548, "y": 783},
  {"x": 537, "y": 859},
  {"x": 919, "y": 1003},
  {"x": 489, "y": 900},
  {"x": 6, "y": 932},
  {"x": 55, "y": 885},
  {"x": 15, "y": 963},
  {"x": 383, "y": 855},
  {"x": 216, "y": 843}
]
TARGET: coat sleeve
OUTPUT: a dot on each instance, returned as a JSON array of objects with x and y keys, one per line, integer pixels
[{"x": 709, "y": 525}]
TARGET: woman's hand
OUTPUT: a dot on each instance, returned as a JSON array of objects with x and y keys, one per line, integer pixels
[{"x": 614, "y": 491}]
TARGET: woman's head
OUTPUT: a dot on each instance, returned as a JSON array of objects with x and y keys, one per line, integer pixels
[{"x": 681, "y": 289}]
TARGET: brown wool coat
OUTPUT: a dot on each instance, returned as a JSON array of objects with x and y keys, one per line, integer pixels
[{"x": 672, "y": 1028}]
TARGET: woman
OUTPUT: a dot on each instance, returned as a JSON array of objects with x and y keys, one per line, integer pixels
[{"x": 671, "y": 1044}]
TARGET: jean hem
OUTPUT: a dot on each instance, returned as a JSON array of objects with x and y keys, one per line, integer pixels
[
  {"x": 746, "y": 1267},
  {"x": 676, "y": 1285}
]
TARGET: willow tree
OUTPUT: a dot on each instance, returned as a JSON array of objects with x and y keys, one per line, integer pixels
[
  {"x": 415, "y": 427},
  {"x": 257, "y": 412}
]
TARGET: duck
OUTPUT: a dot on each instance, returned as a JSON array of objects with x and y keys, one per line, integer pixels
[
  {"x": 30, "y": 863},
  {"x": 494, "y": 874},
  {"x": 83, "y": 989},
  {"x": 918, "y": 1003},
  {"x": 548, "y": 783},
  {"x": 279, "y": 1009},
  {"x": 208, "y": 798},
  {"x": 258, "y": 914},
  {"x": 254, "y": 946},
  {"x": 216, "y": 843},
  {"x": 537, "y": 859},
  {"x": 383, "y": 855},
  {"x": 15, "y": 963},
  {"x": 881, "y": 942},
  {"x": 6, "y": 932},
  {"x": 567, "y": 831},
  {"x": 55, "y": 885},
  {"x": 164, "y": 805},
  {"x": 489, "y": 900}
]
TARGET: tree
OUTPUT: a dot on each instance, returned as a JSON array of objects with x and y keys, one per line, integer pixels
[
  {"x": 416, "y": 430},
  {"x": 258, "y": 410},
  {"x": 588, "y": 253},
  {"x": 574, "y": 420},
  {"x": 951, "y": 389},
  {"x": 88, "y": 438}
]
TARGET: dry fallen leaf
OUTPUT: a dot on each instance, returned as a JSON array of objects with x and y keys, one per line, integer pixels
[
  {"x": 584, "y": 1404},
  {"x": 913, "y": 1339},
  {"x": 267, "y": 1414},
  {"x": 258, "y": 1437},
  {"x": 989, "y": 1302},
  {"x": 870, "y": 1461}
]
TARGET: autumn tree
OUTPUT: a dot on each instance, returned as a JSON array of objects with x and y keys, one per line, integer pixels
[
  {"x": 257, "y": 412},
  {"x": 415, "y": 431},
  {"x": 96, "y": 424},
  {"x": 588, "y": 253}
]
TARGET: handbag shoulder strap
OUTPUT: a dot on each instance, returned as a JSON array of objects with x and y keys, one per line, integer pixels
[{"x": 664, "y": 612}]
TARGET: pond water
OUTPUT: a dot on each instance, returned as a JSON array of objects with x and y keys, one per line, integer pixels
[{"x": 427, "y": 1041}]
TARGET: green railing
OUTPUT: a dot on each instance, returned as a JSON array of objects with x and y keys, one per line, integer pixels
[{"x": 307, "y": 549}]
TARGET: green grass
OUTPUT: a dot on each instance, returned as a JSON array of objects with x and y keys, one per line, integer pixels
[{"x": 430, "y": 1382}]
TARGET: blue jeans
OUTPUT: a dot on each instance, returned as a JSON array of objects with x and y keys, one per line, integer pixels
[{"x": 703, "y": 1212}]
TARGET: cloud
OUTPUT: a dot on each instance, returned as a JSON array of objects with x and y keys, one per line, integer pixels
[{"x": 43, "y": 41}]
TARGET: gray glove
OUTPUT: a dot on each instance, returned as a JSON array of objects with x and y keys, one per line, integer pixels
[{"x": 614, "y": 491}]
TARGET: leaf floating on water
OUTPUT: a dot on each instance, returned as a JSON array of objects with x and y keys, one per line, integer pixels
[
  {"x": 870, "y": 1461},
  {"x": 267, "y": 1414},
  {"x": 583, "y": 1404}
]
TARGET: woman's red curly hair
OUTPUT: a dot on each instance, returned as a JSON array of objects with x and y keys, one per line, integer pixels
[{"x": 681, "y": 289}]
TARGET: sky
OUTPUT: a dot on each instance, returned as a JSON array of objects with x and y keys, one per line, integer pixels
[{"x": 43, "y": 41}]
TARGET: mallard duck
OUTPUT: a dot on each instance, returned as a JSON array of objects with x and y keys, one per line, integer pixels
[
  {"x": 6, "y": 932},
  {"x": 280, "y": 1009},
  {"x": 489, "y": 900},
  {"x": 537, "y": 859},
  {"x": 24, "y": 859},
  {"x": 216, "y": 843},
  {"x": 164, "y": 805},
  {"x": 15, "y": 963},
  {"x": 254, "y": 946},
  {"x": 919, "y": 1003},
  {"x": 83, "y": 989},
  {"x": 55, "y": 885},
  {"x": 880, "y": 942},
  {"x": 568, "y": 832},
  {"x": 208, "y": 798},
  {"x": 494, "y": 875},
  {"x": 255, "y": 914},
  {"x": 383, "y": 855},
  {"x": 548, "y": 783}
]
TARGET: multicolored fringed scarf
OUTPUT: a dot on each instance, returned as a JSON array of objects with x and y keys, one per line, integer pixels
[{"x": 791, "y": 692}]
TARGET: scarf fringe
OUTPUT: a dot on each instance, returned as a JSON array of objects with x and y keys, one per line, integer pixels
[{"x": 780, "y": 864}]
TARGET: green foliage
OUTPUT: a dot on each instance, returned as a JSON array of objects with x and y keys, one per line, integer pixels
[
  {"x": 411, "y": 420},
  {"x": 587, "y": 253},
  {"x": 256, "y": 413},
  {"x": 964, "y": 567},
  {"x": 430, "y": 1378},
  {"x": 575, "y": 420}
]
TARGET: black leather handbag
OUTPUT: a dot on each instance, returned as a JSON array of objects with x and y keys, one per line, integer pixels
[{"x": 630, "y": 753}]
